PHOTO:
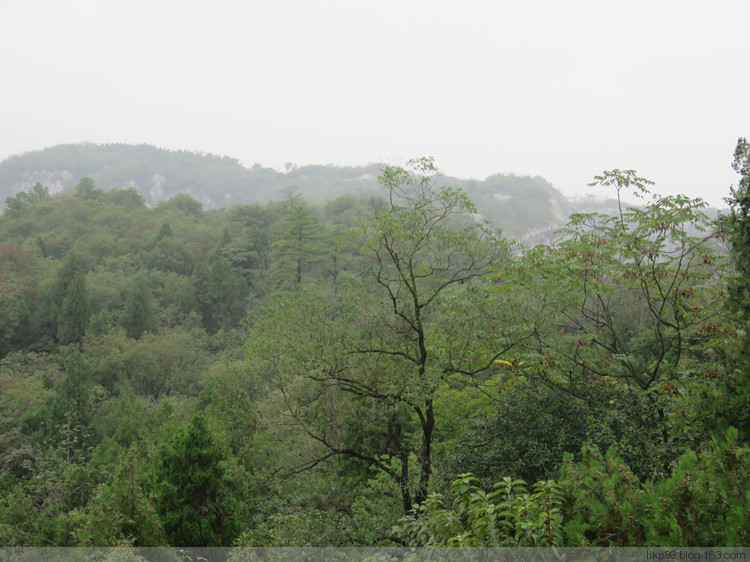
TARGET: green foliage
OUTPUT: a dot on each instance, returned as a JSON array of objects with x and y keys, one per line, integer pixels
[
  {"x": 140, "y": 313},
  {"x": 247, "y": 251},
  {"x": 192, "y": 499},
  {"x": 221, "y": 295},
  {"x": 155, "y": 365},
  {"x": 532, "y": 426},
  {"x": 52, "y": 293},
  {"x": 294, "y": 251},
  {"x": 623, "y": 180},
  {"x": 14, "y": 323},
  {"x": 704, "y": 502},
  {"x": 18, "y": 457},
  {"x": 87, "y": 190},
  {"x": 738, "y": 228},
  {"x": 171, "y": 253},
  {"x": 119, "y": 513},
  {"x": 638, "y": 287},
  {"x": 15, "y": 205},
  {"x": 330, "y": 507},
  {"x": 65, "y": 418},
  {"x": 509, "y": 516},
  {"x": 415, "y": 343},
  {"x": 634, "y": 290},
  {"x": 359, "y": 373},
  {"x": 176, "y": 300},
  {"x": 181, "y": 204},
  {"x": 602, "y": 495},
  {"x": 21, "y": 270},
  {"x": 624, "y": 308},
  {"x": 128, "y": 198},
  {"x": 75, "y": 312},
  {"x": 76, "y": 391}
]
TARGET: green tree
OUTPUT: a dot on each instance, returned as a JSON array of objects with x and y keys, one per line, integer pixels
[
  {"x": 18, "y": 457},
  {"x": 119, "y": 513},
  {"x": 192, "y": 499},
  {"x": 628, "y": 300},
  {"x": 154, "y": 365},
  {"x": 527, "y": 427},
  {"x": 294, "y": 251},
  {"x": 128, "y": 198},
  {"x": 221, "y": 295},
  {"x": 64, "y": 420},
  {"x": 638, "y": 286},
  {"x": 177, "y": 299},
  {"x": 14, "y": 325},
  {"x": 76, "y": 391},
  {"x": 509, "y": 516},
  {"x": 87, "y": 190},
  {"x": 15, "y": 205},
  {"x": 359, "y": 374},
  {"x": 171, "y": 253},
  {"x": 247, "y": 251},
  {"x": 704, "y": 502},
  {"x": 164, "y": 232},
  {"x": 139, "y": 315},
  {"x": 51, "y": 295},
  {"x": 183, "y": 204},
  {"x": 738, "y": 228},
  {"x": 75, "y": 312}
]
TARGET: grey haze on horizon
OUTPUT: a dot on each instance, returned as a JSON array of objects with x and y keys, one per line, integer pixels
[{"x": 562, "y": 90}]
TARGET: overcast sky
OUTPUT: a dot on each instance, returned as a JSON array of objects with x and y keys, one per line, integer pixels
[{"x": 561, "y": 89}]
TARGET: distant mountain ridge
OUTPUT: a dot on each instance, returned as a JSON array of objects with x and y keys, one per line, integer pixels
[{"x": 526, "y": 207}]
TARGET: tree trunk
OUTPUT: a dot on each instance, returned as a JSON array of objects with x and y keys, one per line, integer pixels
[{"x": 425, "y": 461}]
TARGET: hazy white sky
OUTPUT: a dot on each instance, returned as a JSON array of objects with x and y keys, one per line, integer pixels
[{"x": 561, "y": 89}]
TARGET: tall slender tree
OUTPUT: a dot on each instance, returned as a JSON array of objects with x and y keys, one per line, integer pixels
[
  {"x": 75, "y": 312},
  {"x": 140, "y": 312},
  {"x": 292, "y": 253},
  {"x": 738, "y": 223},
  {"x": 191, "y": 500},
  {"x": 360, "y": 374}
]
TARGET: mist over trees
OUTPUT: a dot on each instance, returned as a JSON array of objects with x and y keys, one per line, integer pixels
[
  {"x": 522, "y": 206},
  {"x": 387, "y": 367}
]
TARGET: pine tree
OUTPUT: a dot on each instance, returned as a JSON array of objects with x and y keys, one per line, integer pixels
[
  {"x": 140, "y": 312},
  {"x": 738, "y": 224},
  {"x": 739, "y": 232},
  {"x": 87, "y": 190},
  {"x": 221, "y": 295},
  {"x": 293, "y": 252},
  {"x": 52, "y": 294},
  {"x": 191, "y": 501},
  {"x": 75, "y": 312}
]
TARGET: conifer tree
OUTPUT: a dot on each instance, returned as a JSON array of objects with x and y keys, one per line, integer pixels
[
  {"x": 75, "y": 312},
  {"x": 87, "y": 190},
  {"x": 738, "y": 224},
  {"x": 191, "y": 502},
  {"x": 221, "y": 295},
  {"x": 52, "y": 294},
  {"x": 292, "y": 253},
  {"x": 739, "y": 232},
  {"x": 140, "y": 312}
]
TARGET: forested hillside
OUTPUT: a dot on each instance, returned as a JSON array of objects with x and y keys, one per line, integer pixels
[
  {"x": 521, "y": 206},
  {"x": 383, "y": 368}
]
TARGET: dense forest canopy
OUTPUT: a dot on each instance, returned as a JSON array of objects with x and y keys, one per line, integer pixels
[{"x": 383, "y": 368}]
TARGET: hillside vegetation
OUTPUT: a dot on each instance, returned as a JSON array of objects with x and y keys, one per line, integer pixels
[
  {"x": 520, "y": 205},
  {"x": 382, "y": 368}
]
